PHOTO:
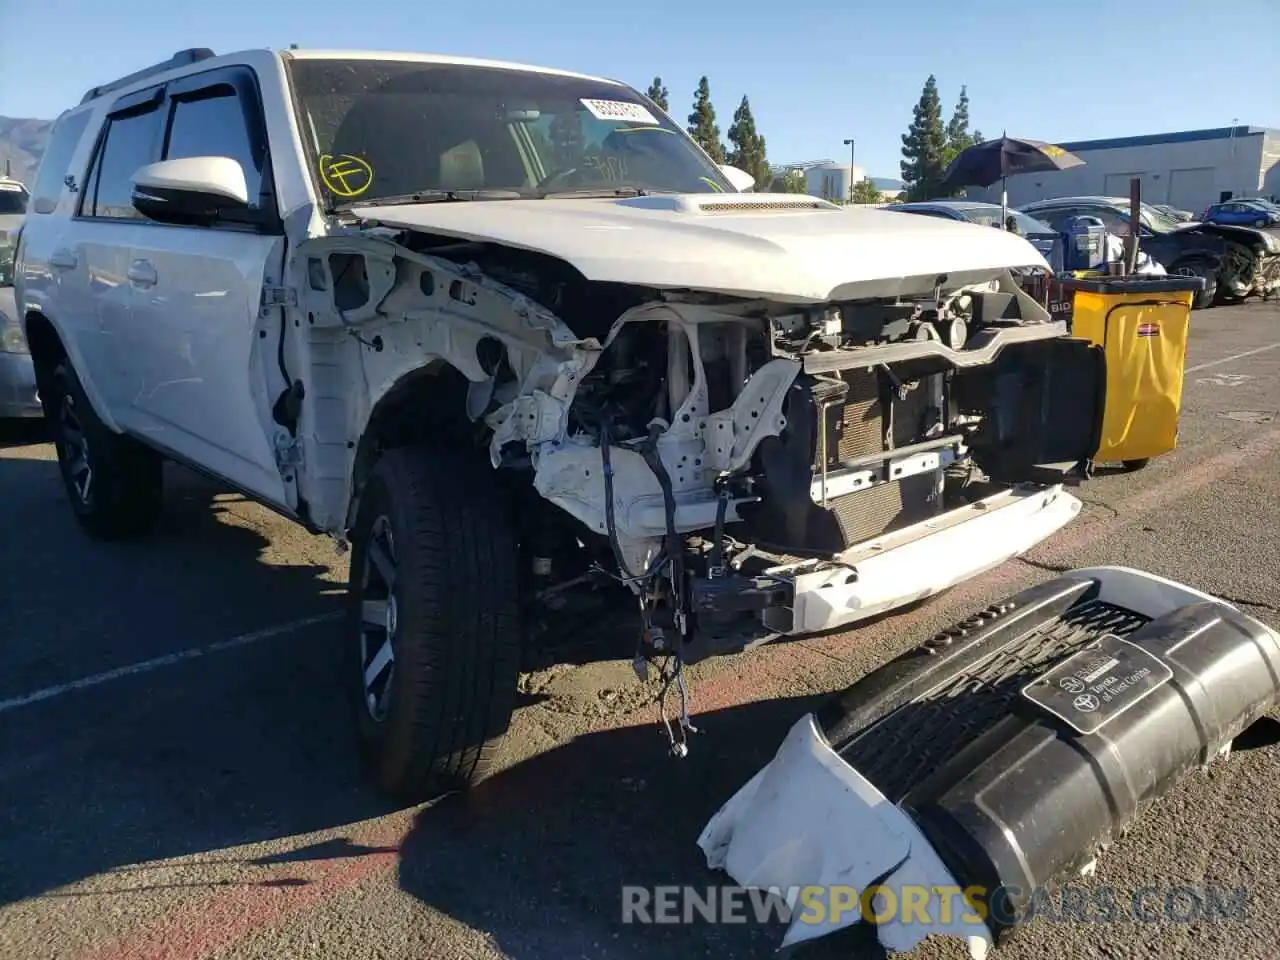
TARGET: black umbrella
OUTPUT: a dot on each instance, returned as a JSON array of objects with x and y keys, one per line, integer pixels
[{"x": 984, "y": 163}]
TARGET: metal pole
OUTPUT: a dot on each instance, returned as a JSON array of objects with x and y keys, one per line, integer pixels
[
  {"x": 852, "y": 147},
  {"x": 1135, "y": 214}
]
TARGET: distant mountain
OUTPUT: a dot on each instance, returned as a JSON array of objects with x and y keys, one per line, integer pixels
[
  {"x": 885, "y": 183},
  {"x": 22, "y": 143}
]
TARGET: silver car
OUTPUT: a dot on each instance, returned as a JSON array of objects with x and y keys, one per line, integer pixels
[{"x": 18, "y": 396}]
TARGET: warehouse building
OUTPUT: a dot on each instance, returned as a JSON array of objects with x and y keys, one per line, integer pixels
[
  {"x": 824, "y": 178},
  {"x": 1188, "y": 170}
]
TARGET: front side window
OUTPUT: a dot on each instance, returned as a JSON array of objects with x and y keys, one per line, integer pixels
[
  {"x": 385, "y": 129},
  {"x": 213, "y": 124},
  {"x": 129, "y": 143}
]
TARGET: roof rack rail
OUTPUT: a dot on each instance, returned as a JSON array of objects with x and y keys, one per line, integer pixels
[{"x": 183, "y": 58}]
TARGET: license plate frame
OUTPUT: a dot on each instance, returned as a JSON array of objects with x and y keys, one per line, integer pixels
[{"x": 1093, "y": 686}]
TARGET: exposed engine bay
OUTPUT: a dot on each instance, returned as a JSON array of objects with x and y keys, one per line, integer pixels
[
  {"x": 714, "y": 448},
  {"x": 1250, "y": 260}
]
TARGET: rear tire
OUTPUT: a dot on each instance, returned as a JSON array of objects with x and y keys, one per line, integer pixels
[
  {"x": 433, "y": 627},
  {"x": 1207, "y": 272},
  {"x": 1131, "y": 465},
  {"x": 115, "y": 484}
]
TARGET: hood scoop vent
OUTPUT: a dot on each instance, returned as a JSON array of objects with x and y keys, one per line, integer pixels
[
  {"x": 764, "y": 203},
  {"x": 721, "y": 204}
]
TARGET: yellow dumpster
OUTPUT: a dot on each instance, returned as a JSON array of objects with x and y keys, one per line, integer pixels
[{"x": 1141, "y": 323}]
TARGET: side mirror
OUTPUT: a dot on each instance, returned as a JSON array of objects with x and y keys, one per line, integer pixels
[
  {"x": 742, "y": 181},
  {"x": 192, "y": 190}
]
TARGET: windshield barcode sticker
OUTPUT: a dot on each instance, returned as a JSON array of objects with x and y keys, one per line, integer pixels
[{"x": 619, "y": 110}]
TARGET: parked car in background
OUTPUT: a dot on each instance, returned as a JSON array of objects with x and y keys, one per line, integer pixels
[
  {"x": 1038, "y": 233},
  {"x": 13, "y": 207},
  {"x": 17, "y": 376},
  {"x": 1247, "y": 212},
  {"x": 13, "y": 203},
  {"x": 1234, "y": 261},
  {"x": 1175, "y": 213},
  {"x": 18, "y": 398}
]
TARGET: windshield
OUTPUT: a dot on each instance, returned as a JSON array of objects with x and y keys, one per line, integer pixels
[
  {"x": 13, "y": 199},
  {"x": 379, "y": 129},
  {"x": 1157, "y": 220}
]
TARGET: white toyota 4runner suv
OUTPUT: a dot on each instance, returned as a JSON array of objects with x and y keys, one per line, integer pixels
[{"x": 510, "y": 333}]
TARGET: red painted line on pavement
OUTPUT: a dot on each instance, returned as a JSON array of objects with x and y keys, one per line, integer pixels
[{"x": 220, "y": 920}]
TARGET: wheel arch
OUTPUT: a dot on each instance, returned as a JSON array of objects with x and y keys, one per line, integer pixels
[
  {"x": 48, "y": 345},
  {"x": 425, "y": 404}
]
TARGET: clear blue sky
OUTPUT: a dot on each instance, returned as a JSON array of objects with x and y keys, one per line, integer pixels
[{"x": 816, "y": 72}]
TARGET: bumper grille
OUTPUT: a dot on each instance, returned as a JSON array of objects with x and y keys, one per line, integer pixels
[{"x": 896, "y": 753}]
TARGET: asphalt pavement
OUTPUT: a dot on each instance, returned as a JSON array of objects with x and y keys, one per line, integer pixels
[{"x": 178, "y": 777}]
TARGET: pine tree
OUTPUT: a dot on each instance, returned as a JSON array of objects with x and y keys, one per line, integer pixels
[
  {"x": 748, "y": 151},
  {"x": 702, "y": 122},
  {"x": 658, "y": 94},
  {"x": 924, "y": 145},
  {"x": 958, "y": 136}
]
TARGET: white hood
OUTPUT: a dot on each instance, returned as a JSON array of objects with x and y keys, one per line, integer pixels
[{"x": 777, "y": 246}]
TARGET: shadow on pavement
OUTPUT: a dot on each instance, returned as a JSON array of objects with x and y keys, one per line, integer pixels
[
  {"x": 235, "y": 747},
  {"x": 21, "y": 433},
  {"x": 537, "y": 855}
]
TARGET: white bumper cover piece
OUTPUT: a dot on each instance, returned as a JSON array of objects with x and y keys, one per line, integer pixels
[
  {"x": 925, "y": 559},
  {"x": 808, "y": 820}
]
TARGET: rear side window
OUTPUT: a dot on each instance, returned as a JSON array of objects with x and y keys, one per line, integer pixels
[
  {"x": 57, "y": 159},
  {"x": 214, "y": 125},
  {"x": 129, "y": 142}
]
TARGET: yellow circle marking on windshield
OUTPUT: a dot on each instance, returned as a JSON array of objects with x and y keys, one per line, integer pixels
[{"x": 345, "y": 175}]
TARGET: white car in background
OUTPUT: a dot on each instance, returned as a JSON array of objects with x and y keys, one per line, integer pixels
[{"x": 18, "y": 396}]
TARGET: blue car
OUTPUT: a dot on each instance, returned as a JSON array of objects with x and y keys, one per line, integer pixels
[
  {"x": 1248, "y": 212},
  {"x": 1037, "y": 232}
]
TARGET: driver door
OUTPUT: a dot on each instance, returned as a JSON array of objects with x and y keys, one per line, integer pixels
[{"x": 197, "y": 293}]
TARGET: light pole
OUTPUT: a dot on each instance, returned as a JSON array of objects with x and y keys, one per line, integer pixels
[{"x": 850, "y": 145}]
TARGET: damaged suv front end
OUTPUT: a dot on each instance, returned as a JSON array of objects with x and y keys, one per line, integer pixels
[{"x": 760, "y": 414}]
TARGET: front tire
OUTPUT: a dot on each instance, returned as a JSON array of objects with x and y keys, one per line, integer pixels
[
  {"x": 115, "y": 484},
  {"x": 1206, "y": 271},
  {"x": 433, "y": 627}
]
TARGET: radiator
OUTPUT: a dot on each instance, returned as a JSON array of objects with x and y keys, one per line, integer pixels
[{"x": 860, "y": 427}]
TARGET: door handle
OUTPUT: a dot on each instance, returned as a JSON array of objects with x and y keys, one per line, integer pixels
[
  {"x": 63, "y": 259},
  {"x": 142, "y": 274}
]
